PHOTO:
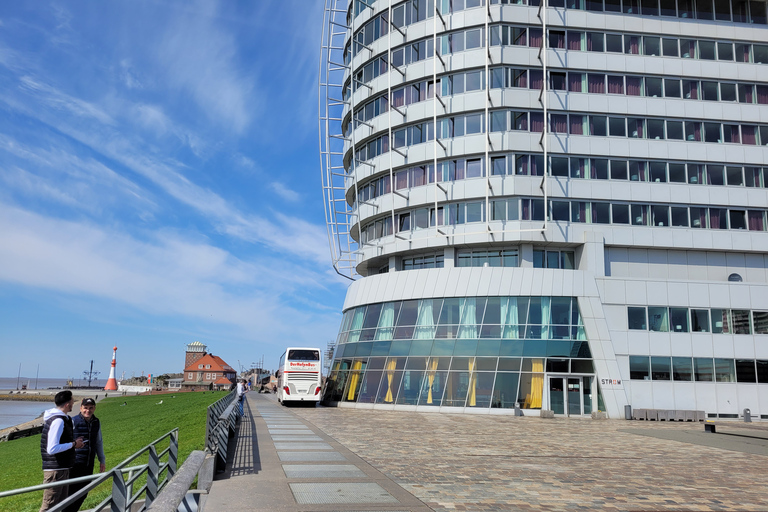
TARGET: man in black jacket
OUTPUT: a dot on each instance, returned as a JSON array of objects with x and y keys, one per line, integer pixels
[
  {"x": 57, "y": 448},
  {"x": 87, "y": 426}
]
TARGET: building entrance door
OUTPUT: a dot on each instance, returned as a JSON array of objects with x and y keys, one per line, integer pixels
[{"x": 570, "y": 395}]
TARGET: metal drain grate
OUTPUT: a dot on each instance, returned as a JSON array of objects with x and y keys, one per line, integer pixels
[
  {"x": 314, "y": 493},
  {"x": 323, "y": 471},
  {"x": 310, "y": 456}
]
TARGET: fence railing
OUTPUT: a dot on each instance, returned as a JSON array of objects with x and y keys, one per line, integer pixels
[
  {"x": 222, "y": 419},
  {"x": 123, "y": 495}
]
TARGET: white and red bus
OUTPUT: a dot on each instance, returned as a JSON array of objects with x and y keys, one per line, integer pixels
[{"x": 299, "y": 377}]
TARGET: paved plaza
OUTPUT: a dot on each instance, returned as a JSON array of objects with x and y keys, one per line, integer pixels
[{"x": 336, "y": 459}]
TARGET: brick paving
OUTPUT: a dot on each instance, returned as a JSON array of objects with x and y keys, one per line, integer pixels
[{"x": 485, "y": 463}]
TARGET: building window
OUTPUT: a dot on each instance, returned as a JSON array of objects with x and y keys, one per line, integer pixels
[
  {"x": 639, "y": 369},
  {"x": 190, "y": 376}
]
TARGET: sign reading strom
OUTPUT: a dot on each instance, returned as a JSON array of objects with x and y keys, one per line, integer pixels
[{"x": 611, "y": 383}]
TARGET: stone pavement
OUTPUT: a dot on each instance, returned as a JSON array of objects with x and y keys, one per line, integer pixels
[{"x": 428, "y": 461}]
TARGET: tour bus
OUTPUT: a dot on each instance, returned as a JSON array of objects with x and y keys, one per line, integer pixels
[{"x": 299, "y": 376}]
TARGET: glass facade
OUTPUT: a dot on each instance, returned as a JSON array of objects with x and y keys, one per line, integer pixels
[{"x": 484, "y": 352}]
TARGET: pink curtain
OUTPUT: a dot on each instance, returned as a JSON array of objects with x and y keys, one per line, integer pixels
[
  {"x": 419, "y": 176},
  {"x": 534, "y": 39},
  {"x": 574, "y": 82},
  {"x": 577, "y": 125},
  {"x": 596, "y": 83},
  {"x": 536, "y": 79},
  {"x": 732, "y": 133},
  {"x": 691, "y": 89},
  {"x": 537, "y": 122},
  {"x": 714, "y": 218},
  {"x": 748, "y": 134},
  {"x": 521, "y": 78},
  {"x": 615, "y": 84},
  {"x": 556, "y": 39},
  {"x": 633, "y": 85},
  {"x": 582, "y": 211},
  {"x": 756, "y": 222},
  {"x": 386, "y": 185},
  {"x": 634, "y": 45},
  {"x": 762, "y": 94},
  {"x": 559, "y": 123},
  {"x": 574, "y": 40},
  {"x": 460, "y": 169}
]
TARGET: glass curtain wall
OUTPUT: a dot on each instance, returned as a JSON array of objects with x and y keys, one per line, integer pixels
[{"x": 485, "y": 352}]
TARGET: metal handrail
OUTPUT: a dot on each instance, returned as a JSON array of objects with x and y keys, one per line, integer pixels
[
  {"x": 122, "y": 496},
  {"x": 222, "y": 418}
]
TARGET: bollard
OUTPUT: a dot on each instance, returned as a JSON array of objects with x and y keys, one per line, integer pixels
[
  {"x": 747, "y": 416},
  {"x": 627, "y": 412},
  {"x": 518, "y": 412}
]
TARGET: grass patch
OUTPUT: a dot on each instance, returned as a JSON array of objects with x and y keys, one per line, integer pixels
[{"x": 125, "y": 428}]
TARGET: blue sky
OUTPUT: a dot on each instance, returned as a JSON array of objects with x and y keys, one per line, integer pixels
[{"x": 159, "y": 184}]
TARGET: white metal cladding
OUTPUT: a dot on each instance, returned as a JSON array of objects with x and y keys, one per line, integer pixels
[
  {"x": 332, "y": 73},
  {"x": 340, "y": 182}
]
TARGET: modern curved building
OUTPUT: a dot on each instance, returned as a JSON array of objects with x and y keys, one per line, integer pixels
[{"x": 558, "y": 206}]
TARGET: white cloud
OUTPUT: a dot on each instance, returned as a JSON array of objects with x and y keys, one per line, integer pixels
[
  {"x": 201, "y": 58},
  {"x": 165, "y": 276},
  {"x": 65, "y": 102},
  {"x": 284, "y": 192}
]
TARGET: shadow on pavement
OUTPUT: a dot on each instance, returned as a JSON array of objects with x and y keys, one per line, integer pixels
[{"x": 244, "y": 459}]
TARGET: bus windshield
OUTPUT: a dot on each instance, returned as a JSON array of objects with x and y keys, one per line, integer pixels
[{"x": 303, "y": 355}]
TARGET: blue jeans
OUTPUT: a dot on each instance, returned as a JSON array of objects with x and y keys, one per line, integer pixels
[{"x": 240, "y": 399}]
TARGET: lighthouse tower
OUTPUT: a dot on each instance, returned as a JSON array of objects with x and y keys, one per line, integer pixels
[{"x": 112, "y": 383}]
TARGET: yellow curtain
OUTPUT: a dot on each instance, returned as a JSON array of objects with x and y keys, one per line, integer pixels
[
  {"x": 472, "y": 383},
  {"x": 354, "y": 377},
  {"x": 391, "y": 365},
  {"x": 431, "y": 378},
  {"x": 537, "y": 383}
]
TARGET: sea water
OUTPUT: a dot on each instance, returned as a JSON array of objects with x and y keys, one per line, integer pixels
[
  {"x": 13, "y": 412},
  {"x": 16, "y": 412}
]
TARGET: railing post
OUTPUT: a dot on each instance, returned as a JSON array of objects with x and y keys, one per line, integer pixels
[
  {"x": 153, "y": 475},
  {"x": 173, "y": 454},
  {"x": 120, "y": 495}
]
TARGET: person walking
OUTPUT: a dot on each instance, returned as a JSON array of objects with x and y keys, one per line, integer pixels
[
  {"x": 241, "y": 390},
  {"x": 87, "y": 426},
  {"x": 57, "y": 448}
]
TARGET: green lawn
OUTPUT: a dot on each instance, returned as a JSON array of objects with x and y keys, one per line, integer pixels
[{"x": 126, "y": 429}]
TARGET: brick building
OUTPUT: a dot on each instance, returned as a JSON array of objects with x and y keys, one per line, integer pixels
[{"x": 206, "y": 371}]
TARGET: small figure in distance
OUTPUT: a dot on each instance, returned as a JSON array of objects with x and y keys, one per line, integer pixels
[
  {"x": 242, "y": 389},
  {"x": 124, "y": 403},
  {"x": 57, "y": 448},
  {"x": 88, "y": 427}
]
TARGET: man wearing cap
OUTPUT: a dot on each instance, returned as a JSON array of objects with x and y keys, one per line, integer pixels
[
  {"x": 57, "y": 448},
  {"x": 87, "y": 426}
]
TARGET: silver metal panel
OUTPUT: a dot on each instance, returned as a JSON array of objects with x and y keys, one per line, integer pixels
[
  {"x": 323, "y": 471},
  {"x": 303, "y": 446},
  {"x": 310, "y": 456},
  {"x": 316, "y": 494}
]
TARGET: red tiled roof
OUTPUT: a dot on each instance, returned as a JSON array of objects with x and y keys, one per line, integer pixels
[
  {"x": 223, "y": 380},
  {"x": 217, "y": 365}
]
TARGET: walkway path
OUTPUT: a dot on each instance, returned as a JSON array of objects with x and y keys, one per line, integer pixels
[
  {"x": 284, "y": 463},
  {"x": 301, "y": 459}
]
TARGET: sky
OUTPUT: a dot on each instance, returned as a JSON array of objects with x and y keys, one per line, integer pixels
[{"x": 160, "y": 184}]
